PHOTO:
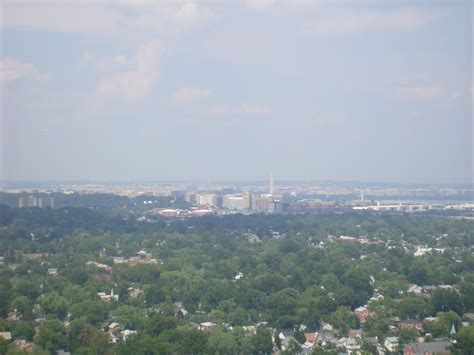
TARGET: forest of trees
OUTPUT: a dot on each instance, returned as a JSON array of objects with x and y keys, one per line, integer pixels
[{"x": 268, "y": 272}]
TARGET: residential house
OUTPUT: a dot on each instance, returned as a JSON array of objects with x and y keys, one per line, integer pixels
[
  {"x": 179, "y": 309},
  {"x": 429, "y": 348},
  {"x": 355, "y": 333},
  {"x": 6, "y": 335},
  {"x": 352, "y": 347},
  {"x": 126, "y": 333},
  {"x": 105, "y": 297},
  {"x": 410, "y": 324},
  {"x": 325, "y": 338},
  {"x": 134, "y": 292},
  {"x": 468, "y": 316},
  {"x": 24, "y": 345},
  {"x": 361, "y": 313},
  {"x": 285, "y": 337},
  {"x": 104, "y": 267},
  {"x": 326, "y": 327},
  {"x": 391, "y": 343},
  {"x": 311, "y": 337},
  {"x": 417, "y": 290},
  {"x": 206, "y": 326}
]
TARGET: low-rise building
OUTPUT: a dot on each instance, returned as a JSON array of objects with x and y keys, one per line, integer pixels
[
  {"x": 391, "y": 343},
  {"x": 428, "y": 348}
]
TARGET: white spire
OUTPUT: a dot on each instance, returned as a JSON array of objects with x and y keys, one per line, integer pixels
[{"x": 271, "y": 183}]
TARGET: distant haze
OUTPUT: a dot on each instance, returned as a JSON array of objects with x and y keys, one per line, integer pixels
[{"x": 196, "y": 90}]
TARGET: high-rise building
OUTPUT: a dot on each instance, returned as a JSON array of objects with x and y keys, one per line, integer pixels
[
  {"x": 277, "y": 207},
  {"x": 207, "y": 199},
  {"x": 247, "y": 200},
  {"x": 271, "y": 183},
  {"x": 260, "y": 202},
  {"x": 32, "y": 201},
  {"x": 190, "y": 197},
  {"x": 234, "y": 202},
  {"x": 22, "y": 201}
]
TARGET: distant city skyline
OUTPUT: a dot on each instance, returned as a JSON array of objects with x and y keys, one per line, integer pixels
[{"x": 231, "y": 91}]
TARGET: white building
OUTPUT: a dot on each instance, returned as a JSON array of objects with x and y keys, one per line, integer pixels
[
  {"x": 232, "y": 202},
  {"x": 207, "y": 199},
  {"x": 391, "y": 343},
  {"x": 105, "y": 297}
]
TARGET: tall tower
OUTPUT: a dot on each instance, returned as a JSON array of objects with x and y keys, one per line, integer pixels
[{"x": 271, "y": 183}]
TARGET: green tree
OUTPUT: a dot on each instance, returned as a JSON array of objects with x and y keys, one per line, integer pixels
[
  {"x": 376, "y": 325},
  {"x": 467, "y": 290},
  {"x": 293, "y": 346},
  {"x": 6, "y": 293},
  {"x": 445, "y": 300},
  {"x": 24, "y": 330},
  {"x": 415, "y": 307},
  {"x": 343, "y": 319},
  {"x": 92, "y": 341},
  {"x": 93, "y": 311},
  {"x": 54, "y": 305},
  {"x": 51, "y": 335},
  {"x": 75, "y": 329},
  {"x": 142, "y": 344},
  {"x": 191, "y": 341},
  {"x": 158, "y": 323},
  {"x": 406, "y": 336},
  {"x": 262, "y": 341},
  {"x": 221, "y": 343},
  {"x": 23, "y": 306},
  {"x": 130, "y": 317},
  {"x": 442, "y": 326},
  {"x": 465, "y": 341},
  {"x": 3, "y": 345},
  {"x": 299, "y": 335}
]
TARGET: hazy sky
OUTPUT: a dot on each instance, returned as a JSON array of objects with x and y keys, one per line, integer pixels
[{"x": 163, "y": 90}]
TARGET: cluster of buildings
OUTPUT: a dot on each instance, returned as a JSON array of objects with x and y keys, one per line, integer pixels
[
  {"x": 240, "y": 201},
  {"x": 292, "y": 198},
  {"x": 32, "y": 201},
  {"x": 328, "y": 337},
  {"x": 142, "y": 258}
]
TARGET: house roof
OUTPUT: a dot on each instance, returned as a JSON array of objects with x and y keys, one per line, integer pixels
[
  {"x": 6, "y": 335},
  {"x": 430, "y": 347}
]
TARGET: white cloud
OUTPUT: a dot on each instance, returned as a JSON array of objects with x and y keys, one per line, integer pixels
[
  {"x": 260, "y": 4},
  {"x": 265, "y": 5},
  {"x": 105, "y": 17},
  {"x": 136, "y": 83},
  {"x": 188, "y": 12},
  {"x": 259, "y": 110},
  {"x": 103, "y": 63},
  {"x": 245, "y": 109},
  {"x": 420, "y": 92},
  {"x": 353, "y": 21},
  {"x": 89, "y": 18},
  {"x": 12, "y": 70},
  {"x": 170, "y": 17},
  {"x": 189, "y": 94}
]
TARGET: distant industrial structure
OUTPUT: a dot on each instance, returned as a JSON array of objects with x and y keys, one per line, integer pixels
[
  {"x": 400, "y": 207},
  {"x": 32, "y": 201}
]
